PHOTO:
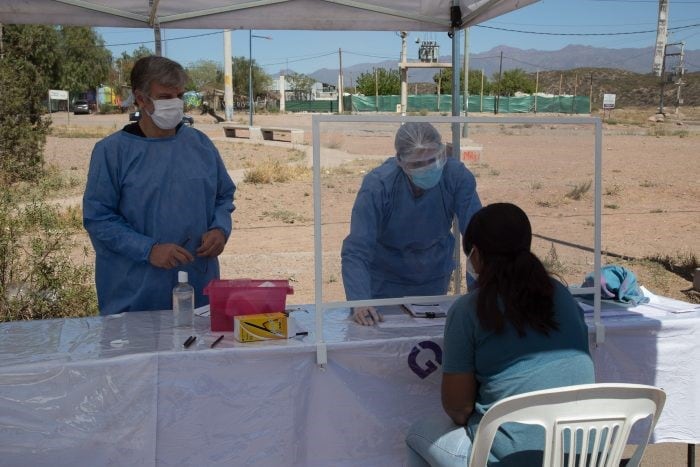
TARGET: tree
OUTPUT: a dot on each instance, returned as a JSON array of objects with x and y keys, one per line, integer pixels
[
  {"x": 516, "y": 80},
  {"x": 301, "y": 85},
  {"x": 444, "y": 79},
  {"x": 125, "y": 64},
  {"x": 205, "y": 74},
  {"x": 29, "y": 68},
  {"x": 85, "y": 63},
  {"x": 261, "y": 80},
  {"x": 386, "y": 82}
]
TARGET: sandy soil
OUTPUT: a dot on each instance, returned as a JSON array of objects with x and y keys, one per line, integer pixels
[{"x": 650, "y": 193}]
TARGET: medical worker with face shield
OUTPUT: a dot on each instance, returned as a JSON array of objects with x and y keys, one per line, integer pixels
[
  {"x": 400, "y": 242},
  {"x": 158, "y": 199}
]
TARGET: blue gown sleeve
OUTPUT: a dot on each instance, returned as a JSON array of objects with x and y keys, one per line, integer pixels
[
  {"x": 101, "y": 216},
  {"x": 223, "y": 207},
  {"x": 467, "y": 200},
  {"x": 358, "y": 248}
]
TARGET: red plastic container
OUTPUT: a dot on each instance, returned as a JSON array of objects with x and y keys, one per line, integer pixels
[{"x": 229, "y": 298}]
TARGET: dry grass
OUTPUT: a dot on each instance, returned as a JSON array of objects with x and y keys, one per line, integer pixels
[
  {"x": 81, "y": 132},
  {"x": 270, "y": 171},
  {"x": 579, "y": 190}
]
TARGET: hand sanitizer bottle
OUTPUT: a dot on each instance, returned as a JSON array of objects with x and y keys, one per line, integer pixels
[{"x": 183, "y": 301}]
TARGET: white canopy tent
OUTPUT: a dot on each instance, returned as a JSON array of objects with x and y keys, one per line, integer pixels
[{"x": 366, "y": 15}]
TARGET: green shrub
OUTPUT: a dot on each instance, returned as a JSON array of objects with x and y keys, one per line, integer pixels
[{"x": 38, "y": 277}]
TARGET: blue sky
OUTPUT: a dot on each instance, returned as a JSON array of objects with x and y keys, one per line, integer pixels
[{"x": 551, "y": 25}]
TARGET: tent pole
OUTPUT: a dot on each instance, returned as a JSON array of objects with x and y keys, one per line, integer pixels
[{"x": 456, "y": 134}]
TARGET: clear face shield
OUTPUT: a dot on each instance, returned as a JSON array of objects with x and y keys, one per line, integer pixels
[{"x": 423, "y": 159}]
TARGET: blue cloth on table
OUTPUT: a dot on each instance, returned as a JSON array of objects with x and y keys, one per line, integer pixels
[{"x": 617, "y": 283}]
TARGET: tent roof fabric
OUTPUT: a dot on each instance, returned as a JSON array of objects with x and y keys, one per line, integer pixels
[{"x": 360, "y": 15}]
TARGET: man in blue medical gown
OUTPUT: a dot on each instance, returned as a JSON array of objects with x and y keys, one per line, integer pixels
[
  {"x": 400, "y": 241},
  {"x": 158, "y": 199}
]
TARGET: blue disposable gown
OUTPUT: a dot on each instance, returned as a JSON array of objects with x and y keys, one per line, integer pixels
[
  {"x": 400, "y": 244},
  {"x": 142, "y": 191}
]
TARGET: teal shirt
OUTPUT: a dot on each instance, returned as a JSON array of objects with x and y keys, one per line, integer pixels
[{"x": 506, "y": 364}]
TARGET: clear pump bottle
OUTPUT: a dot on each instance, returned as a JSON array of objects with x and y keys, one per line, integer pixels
[{"x": 183, "y": 301}]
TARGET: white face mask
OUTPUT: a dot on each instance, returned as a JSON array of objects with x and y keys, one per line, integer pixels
[
  {"x": 470, "y": 266},
  {"x": 167, "y": 113}
]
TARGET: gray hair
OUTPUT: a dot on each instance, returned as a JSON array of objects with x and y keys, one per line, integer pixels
[{"x": 159, "y": 69}]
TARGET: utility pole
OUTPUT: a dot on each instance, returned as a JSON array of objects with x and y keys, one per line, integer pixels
[
  {"x": 404, "y": 74},
  {"x": 156, "y": 26},
  {"x": 679, "y": 83},
  {"x": 561, "y": 81},
  {"x": 537, "y": 87},
  {"x": 228, "y": 77},
  {"x": 498, "y": 93},
  {"x": 573, "y": 100},
  {"x": 376, "y": 91},
  {"x": 590, "y": 96},
  {"x": 465, "y": 98},
  {"x": 481, "y": 92},
  {"x": 340, "y": 82},
  {"x": 251, "y": 101}
]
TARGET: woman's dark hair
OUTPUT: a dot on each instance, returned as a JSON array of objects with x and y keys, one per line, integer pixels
[{"x": 513, "y": 283}]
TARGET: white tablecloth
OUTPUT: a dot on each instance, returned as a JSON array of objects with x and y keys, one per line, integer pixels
[{"x": 123, "y": 391}]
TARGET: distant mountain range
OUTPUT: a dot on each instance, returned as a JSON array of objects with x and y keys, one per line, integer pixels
[{"x": 570, "y": 57}]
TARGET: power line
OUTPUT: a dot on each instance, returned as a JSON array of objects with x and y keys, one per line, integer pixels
[
  {"x": 300, "y": 59},
  {"x": 166, "y": 40},
  {"x": 369, "y": 55},
  {"x": 582, "y": 33}
]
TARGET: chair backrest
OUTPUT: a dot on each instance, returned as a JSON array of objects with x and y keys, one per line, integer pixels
[{"x": 591, "y": 419}]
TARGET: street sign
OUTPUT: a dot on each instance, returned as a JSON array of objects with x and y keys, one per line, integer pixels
[
  {"x": 608, "y": 101},
  {"x": 58, "y": 95}
]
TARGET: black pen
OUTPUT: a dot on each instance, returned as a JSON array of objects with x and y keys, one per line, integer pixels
[
  {"x": 190, "y": 340},
  {"x": 218, "y": 339}
]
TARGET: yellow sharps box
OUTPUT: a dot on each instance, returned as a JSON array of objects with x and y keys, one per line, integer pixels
[{"x": 261, "y": 327}]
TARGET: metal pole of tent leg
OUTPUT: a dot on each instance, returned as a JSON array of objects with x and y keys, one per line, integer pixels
[
  {"x": 456, "y": 151},
  {"x": 691, "y": 455}
]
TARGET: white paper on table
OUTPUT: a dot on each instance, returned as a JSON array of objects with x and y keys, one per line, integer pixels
[
  {"x": 406, "y": 321},
  {"x": 606, "y": 312},
  {"x": 669, "y": 304},
  {"x": 430, "y": 311},
  {"x": 202, "y": 311}
]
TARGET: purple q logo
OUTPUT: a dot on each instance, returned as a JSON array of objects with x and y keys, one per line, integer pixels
[{"x": 430, "y": 367}]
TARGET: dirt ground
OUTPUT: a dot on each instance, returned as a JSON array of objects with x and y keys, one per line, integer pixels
[{"x": 650, "y": 191}]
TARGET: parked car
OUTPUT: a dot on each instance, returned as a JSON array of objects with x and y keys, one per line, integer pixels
[
  {"x": 186, "y": 119},
  {"x": 81, "y": 107}
]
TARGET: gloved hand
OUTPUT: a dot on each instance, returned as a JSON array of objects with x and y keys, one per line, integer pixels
[{"x": 366, "y": 315}]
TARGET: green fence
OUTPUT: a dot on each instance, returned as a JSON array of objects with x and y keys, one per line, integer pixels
[{"x": 430, "y": 103}]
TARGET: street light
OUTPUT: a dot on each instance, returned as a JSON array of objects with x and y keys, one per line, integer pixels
[{"x": 250, "y": 73}]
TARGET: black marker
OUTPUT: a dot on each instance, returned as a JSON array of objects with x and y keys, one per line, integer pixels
[
  {"x": 216, "y": 341},
  {"x": 190, "y": 340}
]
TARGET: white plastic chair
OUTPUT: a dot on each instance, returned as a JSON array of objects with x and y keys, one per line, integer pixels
[{"x": 576, "y": 418}]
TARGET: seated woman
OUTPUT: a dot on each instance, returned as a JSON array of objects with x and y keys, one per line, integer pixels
[{"x": 520, "y": 331}]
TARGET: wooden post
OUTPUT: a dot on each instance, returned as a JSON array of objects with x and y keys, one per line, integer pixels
[
  {"x": 590, "y": 96},
  {"x": 481, "y": 104},
  {"x": 376, "y": 91},
  {"x": 537, "y": 87}
]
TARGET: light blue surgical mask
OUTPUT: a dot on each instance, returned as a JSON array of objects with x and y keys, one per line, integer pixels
[{"x": 427, "y": 177}]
